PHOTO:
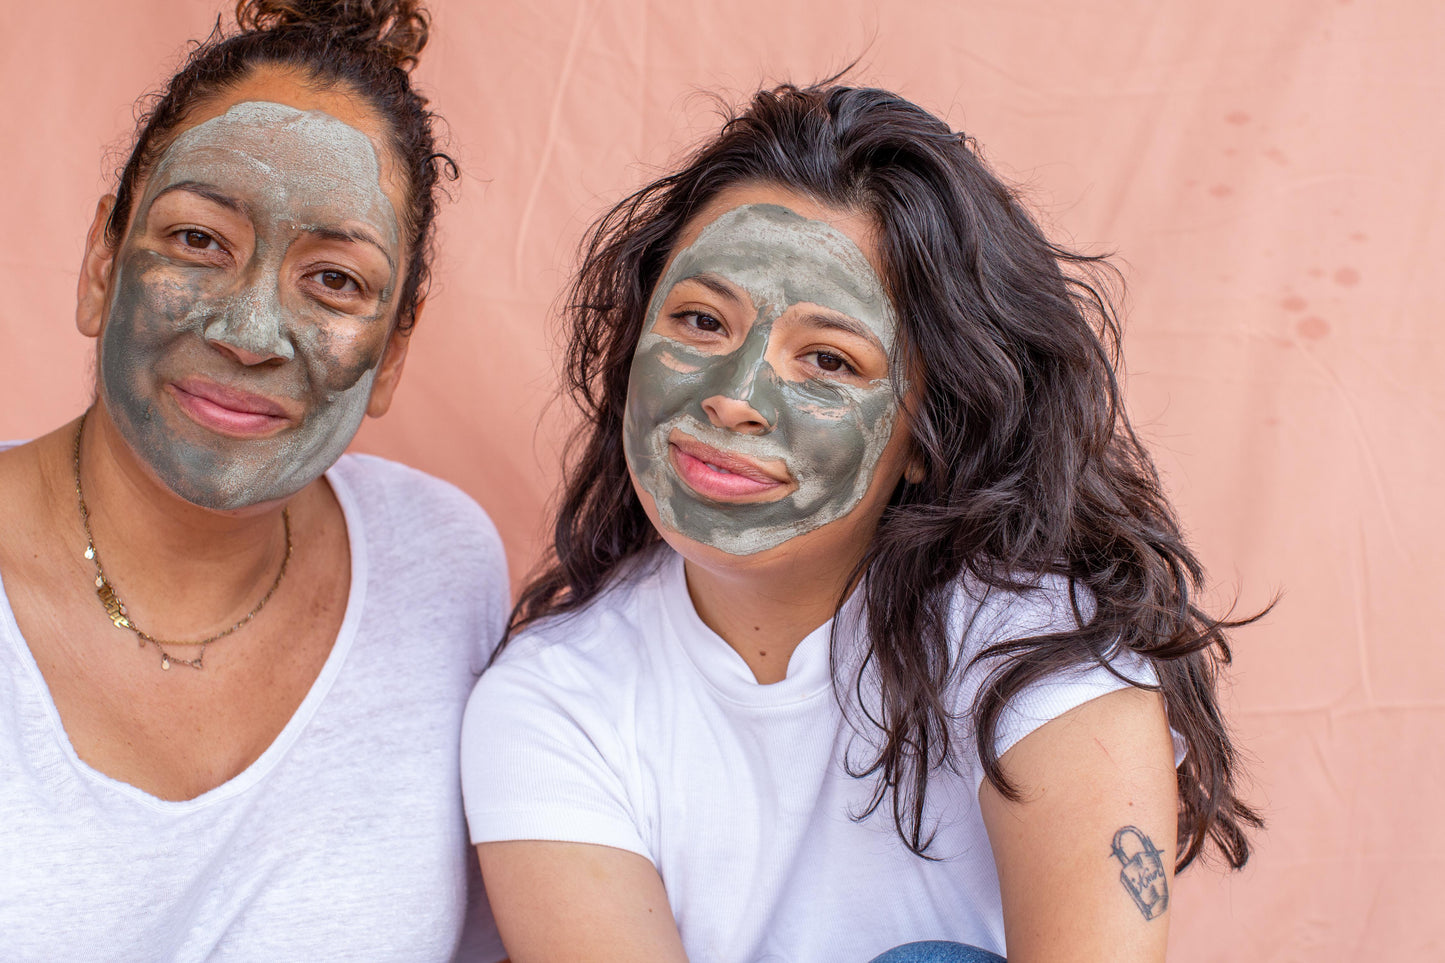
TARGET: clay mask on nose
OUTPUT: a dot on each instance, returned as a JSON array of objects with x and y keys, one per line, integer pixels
[
  {"x": 829, "y": 433},
  {"x": 250, "y": 326},
  {"x": 254, "y": 323}
]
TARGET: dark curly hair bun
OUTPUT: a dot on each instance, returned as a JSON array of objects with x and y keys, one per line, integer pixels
[{"x": 396, "y": 28}]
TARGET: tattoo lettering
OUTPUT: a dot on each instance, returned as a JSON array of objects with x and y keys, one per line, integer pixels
[{"x": 1143, "y": 873}]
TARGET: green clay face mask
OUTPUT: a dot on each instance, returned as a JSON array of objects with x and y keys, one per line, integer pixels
[
  {"x": 251, "y": 304},
  {"x": 821, "y": 435}
]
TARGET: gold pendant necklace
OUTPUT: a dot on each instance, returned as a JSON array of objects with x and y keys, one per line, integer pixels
[{"x": 115, "y": 608}]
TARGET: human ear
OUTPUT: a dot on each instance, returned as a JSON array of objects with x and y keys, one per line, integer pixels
[
  {"x": 93, "y": 289},
  {"x": 93, "y": 286},
  {"x": 914, "y": 471},
  {"x": 388, "y": 373}
]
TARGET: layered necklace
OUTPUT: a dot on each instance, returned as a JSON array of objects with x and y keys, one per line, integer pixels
[{"x": 115, "y": 609}]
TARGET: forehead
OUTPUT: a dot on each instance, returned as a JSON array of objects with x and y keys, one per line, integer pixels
[
  {"x": 282, "y": 86},
  {"x": 288, "y": 155},
  {"x": 782, "y": 257},
  {"x": 280, "y": 133}
]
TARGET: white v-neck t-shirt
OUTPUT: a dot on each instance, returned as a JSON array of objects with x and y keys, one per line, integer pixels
[
  {"x": 631, "y": 724},
  {"x": 345, "y": 840}
]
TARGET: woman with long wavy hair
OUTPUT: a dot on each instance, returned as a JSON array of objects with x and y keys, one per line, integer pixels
[{"x": 867, "y": 628}]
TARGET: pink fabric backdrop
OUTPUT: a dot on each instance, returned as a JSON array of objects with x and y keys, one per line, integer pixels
[{"x": 1271, "y": 174}]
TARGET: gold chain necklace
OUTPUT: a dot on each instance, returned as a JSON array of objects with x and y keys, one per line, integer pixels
[{"x": 115, "y": 608}]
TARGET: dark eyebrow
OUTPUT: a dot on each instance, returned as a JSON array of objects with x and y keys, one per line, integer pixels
[
  {"x": 216, "y": 196},
  {"x": 355, "y": 235},
  {"x": 210, "y": 193},
  {"x": 839, "y": 322},
  {"x": 717, "y": 285}
]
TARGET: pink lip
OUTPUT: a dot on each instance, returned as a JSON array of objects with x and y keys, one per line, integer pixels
[
  {"x": 723, "y": 476},
  {"x": 228, "y": 411}
]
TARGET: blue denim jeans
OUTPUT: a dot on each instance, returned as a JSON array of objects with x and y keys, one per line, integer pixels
[{"x": 937, "y": 951}]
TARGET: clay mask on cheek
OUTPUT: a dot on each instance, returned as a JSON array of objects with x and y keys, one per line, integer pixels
[
  {"x": 294, "y": 174},
  {"x": 829, "y": 433}
]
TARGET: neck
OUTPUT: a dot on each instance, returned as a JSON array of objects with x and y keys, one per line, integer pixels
[
  {"x": 763, "y": 612},
  {"x": 183, "y": 570}
]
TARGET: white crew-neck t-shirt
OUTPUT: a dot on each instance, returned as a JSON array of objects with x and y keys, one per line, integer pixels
[
  {"x": 631, "y": 724},
  {"x": 345, "y": 840}
]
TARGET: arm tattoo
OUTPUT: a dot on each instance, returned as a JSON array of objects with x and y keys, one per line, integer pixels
[{"x": 1143, "y": 873}]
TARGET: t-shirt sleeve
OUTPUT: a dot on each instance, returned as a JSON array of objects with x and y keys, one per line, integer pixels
[
  {"x": 541, "y": 759},
  {"x": 1048, "y": 609},
  {"x": 437, "y": 533},
  {"x": 1055, "y": 694},
  {"x": 494, "y": 584},
  {"x": 470, "y": 551}
]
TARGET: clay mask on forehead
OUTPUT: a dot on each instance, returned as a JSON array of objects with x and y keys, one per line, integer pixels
[
  {"x": 297, "y": 177},
  {"x": 830, "y": 434}
]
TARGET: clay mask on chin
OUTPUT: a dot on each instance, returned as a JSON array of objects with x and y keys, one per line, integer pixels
[
  {"x": 830, "y": 434},
  {"x": 297, "y": 176}
]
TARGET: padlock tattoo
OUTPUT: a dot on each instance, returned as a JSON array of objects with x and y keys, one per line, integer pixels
[{"x": 1143, "y": 873}]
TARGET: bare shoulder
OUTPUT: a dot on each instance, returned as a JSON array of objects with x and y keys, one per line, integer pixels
[{"x": 1086, "y": 853}]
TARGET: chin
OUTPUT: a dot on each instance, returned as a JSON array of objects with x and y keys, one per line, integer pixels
[
  {"x": 716, "y": 560},
  {"x": 699, "y": 553},
  {"x": 818, "y": 550}
]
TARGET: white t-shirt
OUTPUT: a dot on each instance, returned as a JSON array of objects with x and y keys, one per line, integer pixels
[
  {"x": 631, "y": 724},
  {"x": 345, "y": 840}
]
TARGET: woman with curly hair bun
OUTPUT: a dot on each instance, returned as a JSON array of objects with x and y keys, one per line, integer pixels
[
  {"x": 233, "y": 661},
  {"x": 867, "y": 630}
]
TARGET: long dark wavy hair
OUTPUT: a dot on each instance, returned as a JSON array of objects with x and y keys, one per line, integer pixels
[
  {"x": 1010, "y": 345},
  {"x": 364, "y": 47}
]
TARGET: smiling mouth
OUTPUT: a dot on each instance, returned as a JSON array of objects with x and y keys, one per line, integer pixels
[
  {"x": 226, "y": 411},
  {"x": 723, "y": 476}
]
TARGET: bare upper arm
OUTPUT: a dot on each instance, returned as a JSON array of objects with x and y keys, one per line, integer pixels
[
  {"x": 1097, "y": 775},
  {"x": 557, "y": 902}
]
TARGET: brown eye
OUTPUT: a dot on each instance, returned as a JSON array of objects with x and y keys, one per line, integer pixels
[
  {"x": 703, "y": 322},
  {"x": 830, "y": 362},
  {"x": 199, "y": 240},
  {"x": 338, "y": 281}
]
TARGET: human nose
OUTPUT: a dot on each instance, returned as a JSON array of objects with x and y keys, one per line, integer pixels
[
  {"x": 252, "y": 329},
  {"x": 744, "y": 391}
]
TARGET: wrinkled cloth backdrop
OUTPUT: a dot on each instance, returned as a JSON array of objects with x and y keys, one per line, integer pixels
[{"x": 1271, "y": 174}]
